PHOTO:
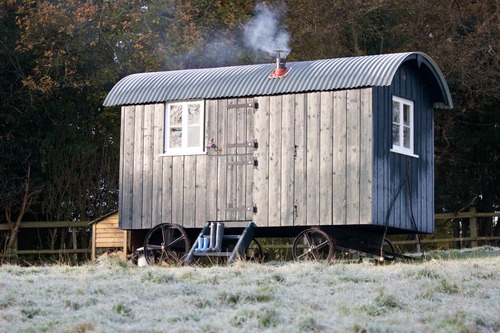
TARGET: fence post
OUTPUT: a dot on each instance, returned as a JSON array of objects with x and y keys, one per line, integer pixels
[
  {"x": 93, "y": 242},
  {"x": 13, "y": 252},
  {"x": 473, "y": 226}
]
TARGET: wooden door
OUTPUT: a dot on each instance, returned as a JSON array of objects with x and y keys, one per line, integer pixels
[{"x": 236, "y": 162}]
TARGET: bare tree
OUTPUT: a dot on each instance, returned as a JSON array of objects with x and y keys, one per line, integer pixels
[{"x": 18, "y": 205}]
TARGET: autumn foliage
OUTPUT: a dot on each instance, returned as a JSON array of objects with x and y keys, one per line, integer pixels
[{"x": 58, "y": 59}]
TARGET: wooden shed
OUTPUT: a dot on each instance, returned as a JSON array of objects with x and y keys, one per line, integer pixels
[
  {"x": 333, "y": 142},
  {"x": 107, "y": 235}
]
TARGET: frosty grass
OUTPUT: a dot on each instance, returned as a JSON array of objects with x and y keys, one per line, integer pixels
[{"x": 436, "y": 295}]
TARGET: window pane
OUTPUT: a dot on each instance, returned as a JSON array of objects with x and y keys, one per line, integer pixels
[
  {"x": 395, "y": 135},
  {"x": 406, "y": 114},
  {"x": 194, "y": 114},
  {"x": 395, "y": 112},
  {"x": 406, "y": 137},
  {"x": 175, "y": 137},
  {"x": 175, "y": 115},
  {"x": 193, "y": 133},
  {"x": 184, "y": 132}
]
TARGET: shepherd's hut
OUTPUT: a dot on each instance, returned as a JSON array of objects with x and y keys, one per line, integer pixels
[{"x": 339, "y": 149}]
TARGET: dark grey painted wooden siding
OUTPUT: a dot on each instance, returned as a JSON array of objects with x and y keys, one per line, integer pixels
[
  {"x": 313, "y": 163},
  {"x": 390, "y": 169}
]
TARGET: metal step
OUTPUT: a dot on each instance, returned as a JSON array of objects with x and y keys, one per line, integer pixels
[
  {"x": 232, "y": 236},
  {"x": 212, "y": 254},
  {"x": 243, "y": 241}
]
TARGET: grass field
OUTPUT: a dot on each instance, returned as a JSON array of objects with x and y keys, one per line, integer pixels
[{"x": 451, "y": 292}]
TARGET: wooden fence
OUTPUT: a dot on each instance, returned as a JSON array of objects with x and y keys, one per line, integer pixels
[
  {"x": 468, "y": 230},
  {"x": 466, "y": 238},
  {"x": 49, "y": 225}
]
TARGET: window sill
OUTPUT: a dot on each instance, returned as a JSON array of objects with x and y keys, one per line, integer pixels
[
  {"x": 183, "y": 154},
  {"x": 402, "y": 152}
]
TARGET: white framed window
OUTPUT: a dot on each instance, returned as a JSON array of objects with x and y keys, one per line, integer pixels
[
  {"x": 402, "y": 126},
  {"x": 184, "y": 126}
]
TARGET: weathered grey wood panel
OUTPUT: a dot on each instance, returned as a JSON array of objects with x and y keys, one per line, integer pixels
[
  {"x": 211, "y": 110},
  {"x": 189, "y": 190},
  {"x": 230, "y": 187},
  {"x": 353, "y": 157},
  {"x": 137, "y": 167},
  {"x": 340, "y": 157},
  {"x": 317, "y": 152},
  {"x": 249, "y": 178},
  {"x": 202, "y": 200},
  {"x": 221, "y": 190},
  {"x": 326, "y": 158},
  {"x": 147, "y": 164},
  {"x": 126, "y": 166},
  {"x": 313, "y": 156},
  {"x": 231, "y": 159},
  {"x": 287, "y": 160},
  {"x": 366, "y": 153},
  {"x": 274, "y": 158},
  {"x": 178, "y": 194},
  {"x": 157, "y": 194},
  {"x": 237, "y": 154},
  {"x": 168, "y": 194},
  {"x": 300, "y": 167},
  {"x": 240, "y": 192},
  {"x": 261, "y": 172}
]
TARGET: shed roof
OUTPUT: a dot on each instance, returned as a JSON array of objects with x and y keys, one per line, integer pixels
[
  {"x": 99, "y": 219},
  {"x": 253, "y": 80}
]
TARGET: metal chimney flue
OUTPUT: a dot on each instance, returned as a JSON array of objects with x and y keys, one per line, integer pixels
[{"x": 281, "y": 70}]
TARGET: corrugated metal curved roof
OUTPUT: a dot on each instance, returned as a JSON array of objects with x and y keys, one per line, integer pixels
[{"x": 253, "y": 80}]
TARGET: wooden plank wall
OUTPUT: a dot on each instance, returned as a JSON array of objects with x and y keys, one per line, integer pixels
[
  {"x": 392, "y": 190},
  {"x": 314, "y": 152},
  {"x": 106, "y": 234},
  {"x": 186, "y": 190},
  {"x": 314, "y": 156}
]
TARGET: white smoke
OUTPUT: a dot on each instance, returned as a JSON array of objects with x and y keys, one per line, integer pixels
[{"x": 265, "y": 33}]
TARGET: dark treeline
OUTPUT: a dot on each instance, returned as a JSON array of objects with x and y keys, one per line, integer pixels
[{"x": 59, "y": 148}]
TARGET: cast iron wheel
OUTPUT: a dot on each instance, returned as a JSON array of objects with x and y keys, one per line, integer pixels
[
  {"x": 388, "y": 249},
  {"x": 166, "y": 244},
  {"x": 313, "y": 244},
  {"x": 255, "y": 252}
]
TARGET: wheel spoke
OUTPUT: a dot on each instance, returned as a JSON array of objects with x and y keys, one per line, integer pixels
[
  {"x": 310, "y": 242},
  {"x": 308, "y": 239},
  {"x": 303, "y": 254},
  {"x": 174, "y": 256},
  {"x": 314, "y": 253},
  {"x": 314, "y": 244},
  {"x": 254, "y": 251},
  {"x": 166, "y": 236},
  {"x": 322, "y": 245},
  {"x": 177, "y": 240},
  {"x": 163, "y": 256}
]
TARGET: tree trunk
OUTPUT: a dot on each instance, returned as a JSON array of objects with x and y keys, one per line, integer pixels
[{"x": 9, "y": 209}]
